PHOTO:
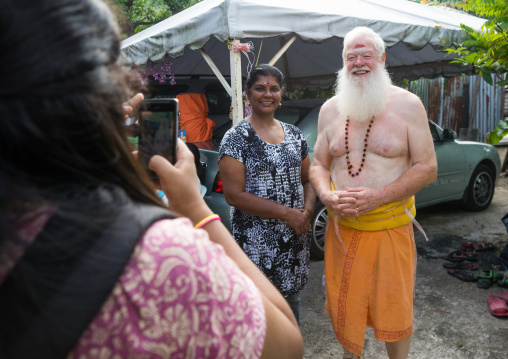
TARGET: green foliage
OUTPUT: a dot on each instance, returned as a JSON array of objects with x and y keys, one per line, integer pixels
[
  {"x": 497, "y": 135},
  {"x": 137, "y": 15},
  {"x": 486, "y": 49},
  {"x": 308, "y": 93}
]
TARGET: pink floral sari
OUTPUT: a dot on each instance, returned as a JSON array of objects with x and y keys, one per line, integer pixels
[{"x": 180, "y": 296}]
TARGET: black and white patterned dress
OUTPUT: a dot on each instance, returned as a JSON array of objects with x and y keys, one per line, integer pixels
[{"x": 272, "y": 172}]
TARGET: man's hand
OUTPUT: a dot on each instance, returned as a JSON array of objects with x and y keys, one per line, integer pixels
[
  {"x": 340, "y": 203},
  {"x": 367, "y": 200}
]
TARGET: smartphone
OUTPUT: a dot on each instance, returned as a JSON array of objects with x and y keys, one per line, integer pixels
[{"x": 158, "y": 130}]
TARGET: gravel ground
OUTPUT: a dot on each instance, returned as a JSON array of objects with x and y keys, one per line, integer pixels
[{"x": 451, "y": 317}]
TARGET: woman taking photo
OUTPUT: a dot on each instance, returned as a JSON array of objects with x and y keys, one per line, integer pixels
[
  {"x": 92, "y": 265},
  {"x": 264, "y": 166}
]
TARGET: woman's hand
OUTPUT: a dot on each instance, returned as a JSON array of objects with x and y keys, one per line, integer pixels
[
  {"x": 129, "y": 106},
  {"x": 179, "y": 183},
  {"x": 298, "y": 219}
]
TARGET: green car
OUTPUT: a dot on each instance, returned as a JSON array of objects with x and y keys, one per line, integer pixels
[{"x": 467, "y": 171}]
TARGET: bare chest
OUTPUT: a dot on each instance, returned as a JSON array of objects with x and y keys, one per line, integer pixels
[{"x": 386, "y": 138}]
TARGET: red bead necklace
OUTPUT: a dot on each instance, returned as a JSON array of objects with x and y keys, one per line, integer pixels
[{"x": 349, "y": 165}]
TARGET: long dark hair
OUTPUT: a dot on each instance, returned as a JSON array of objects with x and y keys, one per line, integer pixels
[{"x": 61, "y": 94}]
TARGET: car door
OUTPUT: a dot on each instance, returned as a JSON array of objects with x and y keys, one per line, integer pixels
[{"x": 449, "y": 184}]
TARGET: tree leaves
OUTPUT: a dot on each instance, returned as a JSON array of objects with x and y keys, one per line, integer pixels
[
  {"x": 497, "y": 135},
  {"x": 136, "y": 15},
  {"x": 486, "y": 49}
]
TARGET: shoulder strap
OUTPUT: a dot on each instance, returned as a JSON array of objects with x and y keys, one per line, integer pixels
[{"x": 52, "y": 294}]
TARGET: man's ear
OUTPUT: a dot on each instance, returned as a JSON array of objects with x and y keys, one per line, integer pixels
[{"x": 383, "y": 57}]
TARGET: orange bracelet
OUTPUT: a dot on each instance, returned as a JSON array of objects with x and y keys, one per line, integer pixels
[{"x": 206, "y": 220}]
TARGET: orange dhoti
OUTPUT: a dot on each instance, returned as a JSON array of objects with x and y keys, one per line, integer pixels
[{"x": 372, "y": 283}]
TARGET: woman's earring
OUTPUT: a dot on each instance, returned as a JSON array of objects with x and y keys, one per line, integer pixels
[{"x": 280, "y": 104}]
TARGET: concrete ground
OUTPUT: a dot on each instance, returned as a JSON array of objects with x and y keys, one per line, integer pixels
[{"x": 451, "y": 317}]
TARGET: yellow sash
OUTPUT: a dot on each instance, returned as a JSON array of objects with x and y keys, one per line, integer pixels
[{"x": 387, "y": 216}]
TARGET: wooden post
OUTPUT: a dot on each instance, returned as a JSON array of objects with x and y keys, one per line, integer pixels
[
  {"x": 236, "y": 84},
  {"x": 216, "y": 72}
]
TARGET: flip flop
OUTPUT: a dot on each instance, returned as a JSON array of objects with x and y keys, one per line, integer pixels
[
  {"x": 503, "y": 296},
  {"x": 481, "y": 246},
  {"x": 497, "y": 306},
  {"x": 468, "y": 248},
  {"x": 503, "y": 282},
  {"x": 460, "y": 255},
  {"x": 488, "y": 277},
  {"x": 463, "y": 274},
  {"x": 462, "y": 265}
]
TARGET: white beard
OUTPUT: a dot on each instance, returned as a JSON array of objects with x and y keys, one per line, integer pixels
[{"x": 362, "y": 99}]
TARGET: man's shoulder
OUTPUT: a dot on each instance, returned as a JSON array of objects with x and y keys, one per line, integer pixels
[
  {"x": 403, "y": 93},
  {"x": 330, "y": 104},
  {"x": 406, "y": 105},
  {"x": 330, "y": 108}
]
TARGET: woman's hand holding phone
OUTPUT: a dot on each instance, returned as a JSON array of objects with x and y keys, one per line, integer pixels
[
  {"x": 183, "y": 193},
  {"x": 179, "y": 183}
]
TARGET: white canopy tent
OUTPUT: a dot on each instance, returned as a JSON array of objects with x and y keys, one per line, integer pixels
[{"x": 303, "y": 38}]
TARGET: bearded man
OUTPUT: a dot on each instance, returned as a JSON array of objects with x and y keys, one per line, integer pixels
[{"x": 374, "y": 151}]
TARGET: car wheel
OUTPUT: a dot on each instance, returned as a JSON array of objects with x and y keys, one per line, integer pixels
[
  {"x": 480, "y": 190},
  {"x": 318, "y": 224}
]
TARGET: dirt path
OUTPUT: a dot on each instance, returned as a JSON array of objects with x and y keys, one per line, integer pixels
[{"x": 451, "y": 317}]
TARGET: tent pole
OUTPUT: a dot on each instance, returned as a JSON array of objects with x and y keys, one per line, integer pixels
[
  {"x": 289, "y": 87},
  {"x": 235, "y": 59},
  {"x": 282, "y": 51},
  {"x": 216, "y": 71}
]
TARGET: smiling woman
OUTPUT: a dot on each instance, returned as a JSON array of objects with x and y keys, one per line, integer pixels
[{"x": 264, "y": 166}]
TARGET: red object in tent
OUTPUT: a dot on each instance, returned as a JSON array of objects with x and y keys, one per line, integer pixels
[{"x": 193, "y": 117}]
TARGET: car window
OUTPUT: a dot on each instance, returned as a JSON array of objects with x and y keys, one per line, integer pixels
[
  {"x": 218, "y": 99},
  {"x": 169, "y": 91},
  {"x": 434, "y": 132},
  {"x": 288, "y": 115},
  {"x": 308, "y": 126}
]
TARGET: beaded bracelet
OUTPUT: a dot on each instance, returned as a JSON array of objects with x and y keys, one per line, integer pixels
[{"x": 206, "y": 220}]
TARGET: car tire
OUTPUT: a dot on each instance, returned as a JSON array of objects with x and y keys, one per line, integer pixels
[
  {"x": 318, "y": 226},
  {"x": 480, "y": 190}
]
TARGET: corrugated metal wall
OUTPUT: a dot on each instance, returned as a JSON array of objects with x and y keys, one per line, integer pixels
[{"x": 448, "y": 102}]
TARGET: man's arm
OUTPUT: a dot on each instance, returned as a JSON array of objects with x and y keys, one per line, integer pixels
[{"x": 320, "y": 169}]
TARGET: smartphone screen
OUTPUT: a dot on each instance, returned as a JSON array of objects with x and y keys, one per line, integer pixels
[{"x": 158, "y": 130}]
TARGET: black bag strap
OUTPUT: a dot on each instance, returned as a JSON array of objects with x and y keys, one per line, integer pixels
[{"x": 51, "y": 295}]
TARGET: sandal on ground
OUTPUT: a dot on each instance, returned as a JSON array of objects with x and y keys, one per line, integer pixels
[
  {"x": 463, "y": 274},
  {"x": 503, "y": 296},
  {"x": 488, "y": 277},
  {"x": 459, "y": 256},
  {"x": 462, "y": 265},
  {"x": 468, "y": 248},
  {"x": 481, "y": 246},
  {"x": 497, "y": 306},
  {"x": 503, "y": 282}
]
